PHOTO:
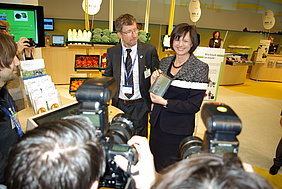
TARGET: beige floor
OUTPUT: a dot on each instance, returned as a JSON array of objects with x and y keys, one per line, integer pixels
[
  {"x": 260, "y": 117},
  {"x": 261, "y": 131}
]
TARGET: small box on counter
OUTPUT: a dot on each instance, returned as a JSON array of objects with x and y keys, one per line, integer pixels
[
  {"x": 104, "y": 61},
  {"x": 75, "y": 83},
  {"x": 87, "y": 62}
]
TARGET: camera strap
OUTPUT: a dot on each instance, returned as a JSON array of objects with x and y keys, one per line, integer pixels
[
  {"x": 28, "y": 58},
  {"x": 128, "y": 171},
  {"x": 130, "y": 184}
]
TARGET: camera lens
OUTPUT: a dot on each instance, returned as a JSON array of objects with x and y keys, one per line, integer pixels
[
  {"x": 31, "y": 42},
  {"x": 190, "y": 145},
  {"x": 121, "y": 129}
]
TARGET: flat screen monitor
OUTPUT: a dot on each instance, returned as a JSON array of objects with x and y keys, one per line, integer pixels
[
  {"x": 52, "y": 115},
  {"x": 25, "y": 21},
  {"x": 58, "y": 40},
  {"x": 63, "y": 111},
  {"x": 49, "y": 24}
]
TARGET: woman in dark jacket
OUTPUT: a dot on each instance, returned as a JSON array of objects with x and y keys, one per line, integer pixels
[
  {"x": 215, "y": 41},
  {"x": 173, "y": 115}
]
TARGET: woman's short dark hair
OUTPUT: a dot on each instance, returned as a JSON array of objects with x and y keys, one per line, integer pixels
[
  {"x": 180, "y": 31},
  {"x": 213, "y": 34},
  {"x": 124, "y": 19},
  {"x": 8, "y": 50}
]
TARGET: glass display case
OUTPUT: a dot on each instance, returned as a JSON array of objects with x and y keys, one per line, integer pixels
[{"x": 237, "y": 62}]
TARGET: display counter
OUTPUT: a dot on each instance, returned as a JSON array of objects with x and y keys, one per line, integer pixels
[
  {"x": 60, "y": 61},
  {"x": 271, "y": 70},
  {"x": 234, "y": 72}
]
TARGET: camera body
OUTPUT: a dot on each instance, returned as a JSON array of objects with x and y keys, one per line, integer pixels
[
  {"x": 93, "y": 96},
  {"x": 222, "y": 124},
  {"x": 114, "y": 141},
  {"x": 31, "y": 42}
]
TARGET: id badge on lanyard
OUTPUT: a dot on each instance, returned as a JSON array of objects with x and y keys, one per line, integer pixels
[
  {"x": 128, "y": 89},
  {"x": 147, "y": 73},
  {"x": 15, "y": 123}
]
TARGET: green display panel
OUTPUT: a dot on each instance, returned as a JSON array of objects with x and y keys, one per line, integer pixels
[
  {"x": 22, "y": 23},
  {"x": 25, "y": 21}
]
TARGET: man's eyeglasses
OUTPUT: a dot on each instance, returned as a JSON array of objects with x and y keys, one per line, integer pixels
[{"x": 131, "y": 32}]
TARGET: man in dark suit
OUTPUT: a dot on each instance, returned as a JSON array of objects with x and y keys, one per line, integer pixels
[{"x": 131, "y": 64}]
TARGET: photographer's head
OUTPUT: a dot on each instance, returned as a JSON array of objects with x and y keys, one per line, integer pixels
[
  {"x": 8, "y": 60},
  {"x": 58, "y": 154},
  {"x": 209, "y": 171}
]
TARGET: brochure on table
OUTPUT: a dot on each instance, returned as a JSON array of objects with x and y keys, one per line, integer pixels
[
  {"x": 39, "y": 86},
  {"x": 214, "y": 57}
]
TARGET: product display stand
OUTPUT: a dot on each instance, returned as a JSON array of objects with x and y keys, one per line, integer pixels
[
  {"x": 38, "y": 86},
  {"x": 236, "y": 64},
  {"x": 91, "y": 64},
  {"x": 271, "y": 70},
  {"x": 59, "y": 61}
]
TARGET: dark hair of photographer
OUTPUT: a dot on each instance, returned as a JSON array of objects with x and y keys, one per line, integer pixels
[
  {"x": 58, "y": 154},
  {"x": 180, "y": 31},
  {"x": 209, "y": 171}
]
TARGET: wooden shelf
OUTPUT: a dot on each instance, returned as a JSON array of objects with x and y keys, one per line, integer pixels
[
  {"x": 89, "y": 46},
  {"x": 79, "y": 46},
  {"x": 59, "y": 61},
  {"x": 103, "y": 45},
  {"x": 238, "y": 47}
]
